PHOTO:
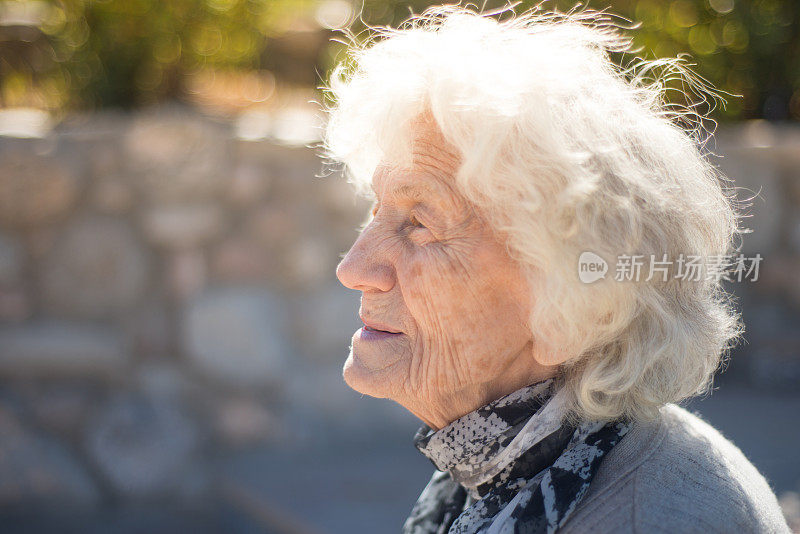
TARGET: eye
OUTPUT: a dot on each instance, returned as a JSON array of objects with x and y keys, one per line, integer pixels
[{"x": 413, "y": 221}]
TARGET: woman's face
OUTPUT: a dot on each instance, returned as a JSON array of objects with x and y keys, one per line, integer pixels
[{"x": 444, "y": 307}]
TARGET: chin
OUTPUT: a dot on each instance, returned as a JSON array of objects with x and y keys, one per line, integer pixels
[{"x": 377, "y": 383}]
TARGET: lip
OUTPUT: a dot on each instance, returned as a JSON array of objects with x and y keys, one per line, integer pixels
[
  {"x": 381, "y": 328},
  {"x": 366, "y": 334}
]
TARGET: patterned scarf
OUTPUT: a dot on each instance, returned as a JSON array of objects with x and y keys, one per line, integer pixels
[{"x": 510, "y": 466}]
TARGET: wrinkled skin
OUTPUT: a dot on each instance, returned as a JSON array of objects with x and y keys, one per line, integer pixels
[{"x": 429, "y": 266}]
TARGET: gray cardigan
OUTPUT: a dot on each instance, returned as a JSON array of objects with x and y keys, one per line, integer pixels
[{"x": 676, "y": 474}]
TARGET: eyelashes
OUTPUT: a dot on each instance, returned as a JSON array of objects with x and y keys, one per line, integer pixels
[{"x": 413, "y": 220}]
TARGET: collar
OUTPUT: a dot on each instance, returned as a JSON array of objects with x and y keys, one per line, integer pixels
[{"x": 477, "y": 446}]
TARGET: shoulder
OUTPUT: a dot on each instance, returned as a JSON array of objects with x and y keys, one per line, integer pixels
[
  {"x": 678, "y": 473},
  {"x": 697, "y": 475}
]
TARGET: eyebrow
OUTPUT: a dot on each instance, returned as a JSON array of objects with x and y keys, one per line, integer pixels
[
  {"x": 417, "y": 192},
  {"x": 413, "y": 192}
]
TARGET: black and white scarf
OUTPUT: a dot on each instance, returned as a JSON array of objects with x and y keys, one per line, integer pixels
[{"x": 510, "y": 466}]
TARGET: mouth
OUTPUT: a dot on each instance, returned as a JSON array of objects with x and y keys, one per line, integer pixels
[
  {"x": 371, "y": 329},
  {"x": 373, "y": 334},
  {"x": 381, "y": 328}
]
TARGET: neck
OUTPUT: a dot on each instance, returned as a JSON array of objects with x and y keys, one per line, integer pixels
[{"x": 439, "y": 411}]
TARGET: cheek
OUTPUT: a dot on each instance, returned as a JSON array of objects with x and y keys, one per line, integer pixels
[
  {"x": 472, "y": 297},
  {"x": 446, "y": 289},
  {"x": 430, "y": 281}
]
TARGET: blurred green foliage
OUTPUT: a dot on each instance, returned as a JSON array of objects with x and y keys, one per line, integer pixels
[
  {"x": 123, "y": 53},
  {"x": 102, "y": 53},
  {"x": 744, "y": 47}
]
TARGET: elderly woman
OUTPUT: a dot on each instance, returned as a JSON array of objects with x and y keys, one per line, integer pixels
[{"x": 499, "y": 154}]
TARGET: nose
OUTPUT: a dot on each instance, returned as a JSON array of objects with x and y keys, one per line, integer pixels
[{"x": 365, "y": 267}]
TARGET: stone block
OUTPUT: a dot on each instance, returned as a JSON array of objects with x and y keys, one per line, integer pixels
[
  {"x": 186, "y": 273},
  {"x": 242, "y": 259},
  {"x": 112, "y": 190},
  {"x": 249, "y": 184},
  {"x": 244, "y": 421},
  {"x": 183, "y": 226},
  {"x": 310, "y": 262},
  {"x": 97, "y": 266},
  {"x": 178, "y": 157},
  {"x": 774, "y": 345},
  {"x": 149, "y": 329},
  {"x": 236, "y": 336},
  {"x": 38, "y": 471},
  {"x": 36, "y": 189},
  {"x": 63, "y": 408},
  {"x": 143, "y": 447},
  {"x": 11, "y": 261},
  {"x": 15, "y": 305},
  {"x": 60, "y": 349},
  {"x": 748, "y": 156},
  {"x": 274, "y": 226},
  {"x": 164, "y": 381},
  {"x": 113, "y": 196},
  {"x": 323, "y": 323}
]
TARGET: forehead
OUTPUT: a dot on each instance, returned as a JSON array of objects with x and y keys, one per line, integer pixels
[
  {"x": 432, "y": 168},
  {"x": 417, "y": 184},
  {"x": 405, "y": 182}
]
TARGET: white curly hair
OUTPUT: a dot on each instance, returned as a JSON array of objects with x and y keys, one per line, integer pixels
[{"x": 565, "y": 151}]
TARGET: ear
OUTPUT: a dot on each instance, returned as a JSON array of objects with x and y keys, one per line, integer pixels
[{"x": 550, "y": 358}]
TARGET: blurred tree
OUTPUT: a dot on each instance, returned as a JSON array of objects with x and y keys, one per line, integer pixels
[
  {"x": 749, "y": 48},
  {"x": 123, "y": 53},
  {"x": 67, "y": 54}
]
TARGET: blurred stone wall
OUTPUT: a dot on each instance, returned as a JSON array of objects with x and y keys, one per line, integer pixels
[
  {"x": 167, "y": 291},
  {"x": 763, "y": 161},
  {"x": 167, "y": 294}
]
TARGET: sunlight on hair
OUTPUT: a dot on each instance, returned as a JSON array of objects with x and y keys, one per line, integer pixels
[{"x": 565, "y": 151}]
